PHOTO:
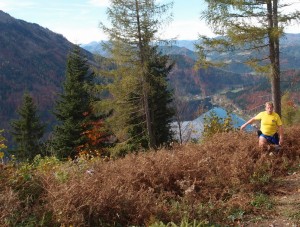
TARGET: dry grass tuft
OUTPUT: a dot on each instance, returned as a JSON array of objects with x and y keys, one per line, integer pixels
[{"x": 213, "y": 182}]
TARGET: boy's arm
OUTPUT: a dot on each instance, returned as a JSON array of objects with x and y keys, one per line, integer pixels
[{"x": 248, "y": 122}]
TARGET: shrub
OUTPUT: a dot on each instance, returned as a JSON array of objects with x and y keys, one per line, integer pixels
[{"x": 214, "y": 124}]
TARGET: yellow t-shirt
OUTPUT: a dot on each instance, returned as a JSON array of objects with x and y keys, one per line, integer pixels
[{"x": 269, "y": 122}]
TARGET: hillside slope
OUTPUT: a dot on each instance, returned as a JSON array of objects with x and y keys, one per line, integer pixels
[
  {"x": 226, "y": 180},
  {"x": 32, "y": 58},
  {"x": 285, "y": 204}
]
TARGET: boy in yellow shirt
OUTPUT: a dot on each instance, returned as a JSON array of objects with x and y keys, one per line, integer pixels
[{"x": 269, "y": 125}]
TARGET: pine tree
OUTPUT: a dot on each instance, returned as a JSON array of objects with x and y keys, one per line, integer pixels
[
  {"x": 134, "y": 26},
  {"x": 73, "y": 107},
  {"x": 27, "y": 131},
  {"x": 252, "y": 25}
]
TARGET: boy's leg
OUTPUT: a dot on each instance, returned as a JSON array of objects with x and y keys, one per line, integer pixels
[{"x": 262, "y": 142}]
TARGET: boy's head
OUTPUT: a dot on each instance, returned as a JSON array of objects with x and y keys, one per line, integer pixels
[{"x": 269, "y": 107}]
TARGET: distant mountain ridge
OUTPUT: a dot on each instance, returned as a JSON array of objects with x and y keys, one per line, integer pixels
[
  {"x": 32, "y": 58},
  {"x": 290, "y": 53}
]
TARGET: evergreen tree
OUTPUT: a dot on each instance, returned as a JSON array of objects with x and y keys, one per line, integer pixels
[
  {"x": 73, "y": 107},
  {"x": 134, "y": 26},
  {"x": 27, "y": 131},
  {"x": 160, "y": 99},
  {"x": 252, "y": 25}
]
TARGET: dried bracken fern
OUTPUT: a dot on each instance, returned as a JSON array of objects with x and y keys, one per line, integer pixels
[{"x": 213, "y": 182}]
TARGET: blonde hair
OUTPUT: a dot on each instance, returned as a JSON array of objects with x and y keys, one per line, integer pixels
[{"x": 269, "y": 104}]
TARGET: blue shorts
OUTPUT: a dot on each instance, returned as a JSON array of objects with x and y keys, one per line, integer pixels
[{"x": 271, "y": 139}]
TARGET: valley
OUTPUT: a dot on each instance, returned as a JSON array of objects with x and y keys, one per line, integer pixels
[{"x": 33, "y": 58}]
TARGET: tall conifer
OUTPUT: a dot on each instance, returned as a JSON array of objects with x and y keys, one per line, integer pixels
[
  {"x": 135, "y": 24},
  {"x": 73, "y": 107},
  {"x": 27, "y": 131},
  {"x": 160, "y": 98}
]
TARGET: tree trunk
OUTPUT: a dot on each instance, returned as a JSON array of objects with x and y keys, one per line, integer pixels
[
  {"x": 144, "y": 82},
  {"x": 277, "y": 93},
  {"x": 274, "y": 54}
]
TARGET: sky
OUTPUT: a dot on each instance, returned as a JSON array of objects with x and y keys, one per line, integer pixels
[{"x": 78, "y": 20}]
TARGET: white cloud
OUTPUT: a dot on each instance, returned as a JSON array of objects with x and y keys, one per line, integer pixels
[
  {"x": 7, "y": 5},
  {"x": 186, "y": 29},
  {"x": 4, "y": 5},
  {"x": 294, "y": 5},
  {"x": 99, "y": 3},
  {"x": 80, "y": 35}
]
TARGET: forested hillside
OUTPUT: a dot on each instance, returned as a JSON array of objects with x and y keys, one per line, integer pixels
[
  {"x": 32, "y": 58},
  {"x": 251, "y": 98},
  {"x": 206, "y": 82}
]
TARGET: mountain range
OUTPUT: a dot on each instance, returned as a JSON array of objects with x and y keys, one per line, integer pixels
[
  {"x": 33, "y": 58},
  {"x": 290, "y": 53}
]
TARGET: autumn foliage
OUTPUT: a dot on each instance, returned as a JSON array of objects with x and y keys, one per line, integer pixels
[{"x": 98, "y": 138}]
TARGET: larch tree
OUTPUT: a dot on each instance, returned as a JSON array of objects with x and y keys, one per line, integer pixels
[
  {"x": 73, "y": 107},
  {"x": 27, "y": 131},
  {"x": 139, "y": 71},
  {"x": 252, "y": 25}
]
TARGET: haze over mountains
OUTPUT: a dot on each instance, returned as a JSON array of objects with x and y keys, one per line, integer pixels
[
  {"x": 290, "y": 53},
  {"x": 33, "y": 58}
]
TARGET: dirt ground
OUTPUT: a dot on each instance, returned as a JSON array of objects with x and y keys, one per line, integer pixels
[{"x": 286, "y": 210}]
